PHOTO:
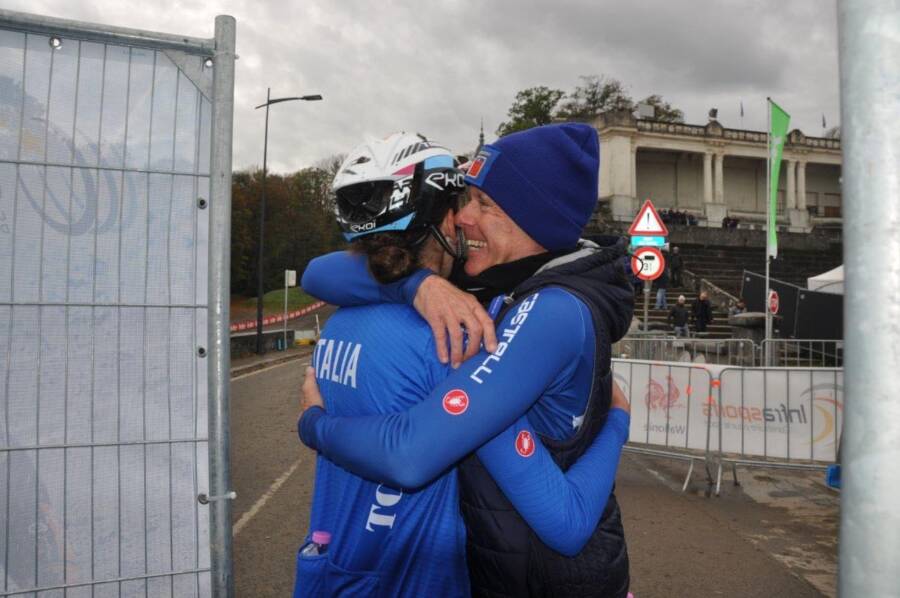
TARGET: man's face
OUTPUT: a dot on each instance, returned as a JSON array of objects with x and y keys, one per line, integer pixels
[{"x": 492, "y": 236}]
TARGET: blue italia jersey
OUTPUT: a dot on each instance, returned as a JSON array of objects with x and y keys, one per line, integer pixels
[
  {"x": 386, "y": 540},
  {"x": 542, "y": 368}
]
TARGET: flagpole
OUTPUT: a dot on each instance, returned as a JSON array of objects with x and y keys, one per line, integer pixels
[{"x": 768, "y": 333}]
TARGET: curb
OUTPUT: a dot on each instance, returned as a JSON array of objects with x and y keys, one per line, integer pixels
[{"x": 255, "y": 367}]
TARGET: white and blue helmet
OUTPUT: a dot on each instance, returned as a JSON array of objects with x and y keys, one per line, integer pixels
[{"x": 403, "y": 182}]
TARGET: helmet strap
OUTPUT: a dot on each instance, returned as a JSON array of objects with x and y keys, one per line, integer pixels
[{"x": 459, "y": 252}]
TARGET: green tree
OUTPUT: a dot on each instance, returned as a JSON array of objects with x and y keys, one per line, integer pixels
[
  {"x": 596, "y": 94},
  {"x": 300, "y": 225},
  {"x": 532, "y": 107},
  {"x": 664, "y": 111}
]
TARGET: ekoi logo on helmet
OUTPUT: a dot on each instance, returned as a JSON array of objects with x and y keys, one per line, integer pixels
[
  {"x": 524, "y": 444},
  {"x": 456, "y": 402}
]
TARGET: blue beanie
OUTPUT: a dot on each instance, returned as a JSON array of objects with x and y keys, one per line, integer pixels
[{"x": 544, "y": 178}]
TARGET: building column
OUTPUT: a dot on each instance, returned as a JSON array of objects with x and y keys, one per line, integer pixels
[
  {"x": 801, "y": 185},
  {"x": 720, "y": 179},
  {"x": 713, "y": 191},
  {"x": 634, "y": 171},
  {"x": 707, "y": 178},
  {"x": 798, "y": 214},
  {"x": 791, "y": 191},
  {"x": 617, "y": 175}
]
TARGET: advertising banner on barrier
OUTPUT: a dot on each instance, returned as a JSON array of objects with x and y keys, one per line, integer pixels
[
  {"x": 775, "y": 413},
  {"x": 667, "y": 402},
  {"x": 782, "y": 413}
]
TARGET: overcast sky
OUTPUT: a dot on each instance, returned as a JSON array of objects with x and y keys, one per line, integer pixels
[{"x": 440, "y": 67}]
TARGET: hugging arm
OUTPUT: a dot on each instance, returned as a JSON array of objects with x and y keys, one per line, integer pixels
[
  {"x": 471, "y": 406},
  {"x": 563, "y": 509},
  {"x": 342, "y": 278}
]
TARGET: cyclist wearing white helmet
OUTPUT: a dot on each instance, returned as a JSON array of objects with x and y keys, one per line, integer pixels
[{"x": 395, "y": 200}]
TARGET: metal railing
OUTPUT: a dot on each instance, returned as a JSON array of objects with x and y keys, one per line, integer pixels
[
  {"x": 114, "y": 195},
  {"x": 804, "y": 352},
  {"x": 729, "y": 351}
]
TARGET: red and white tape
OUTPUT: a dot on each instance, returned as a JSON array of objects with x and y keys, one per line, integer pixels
[{"x": 251, "y": 324}]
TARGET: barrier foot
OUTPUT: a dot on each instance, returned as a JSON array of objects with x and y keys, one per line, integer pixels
[
  {"x": 719, "y": 479},
  {"x": 687, "y": 478},
  {"x": 734, "y": 474},
  {"x": 709, "y": 480}
]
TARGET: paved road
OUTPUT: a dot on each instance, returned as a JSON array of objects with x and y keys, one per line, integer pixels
[{"x": 775, "y": 535}]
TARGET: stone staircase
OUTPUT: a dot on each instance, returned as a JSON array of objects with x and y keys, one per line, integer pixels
[
  {"x": 658, "y": 318},
  {"x": 724, "y": 266}
]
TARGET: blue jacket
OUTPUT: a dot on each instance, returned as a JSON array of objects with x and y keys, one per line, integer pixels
[{"x": 408, "y": 449}]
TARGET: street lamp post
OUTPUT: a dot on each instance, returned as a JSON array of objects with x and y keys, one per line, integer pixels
[{"x": 262, "y": 213}]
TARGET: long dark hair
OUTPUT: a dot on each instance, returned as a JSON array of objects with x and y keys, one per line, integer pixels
[{"x": 393, "y": 255}]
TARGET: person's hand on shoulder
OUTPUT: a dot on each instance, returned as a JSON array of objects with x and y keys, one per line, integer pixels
[{"x": 448, "y": 311}]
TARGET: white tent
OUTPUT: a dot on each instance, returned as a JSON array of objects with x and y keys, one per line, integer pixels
[{"x": 829, "y": 282}]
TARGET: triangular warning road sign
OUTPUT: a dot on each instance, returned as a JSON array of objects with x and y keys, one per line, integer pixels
[{"x": 648, "y": 223}]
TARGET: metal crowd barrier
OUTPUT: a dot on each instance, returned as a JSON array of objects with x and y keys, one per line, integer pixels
[
  {"x": 723, "y": 415},
  {"x": 730, "y": 351},
  {"x": 669, "y": 410},
  {"x": 778, "y": 417},
  {"x": 115, "y": 170},
  {"x": 826, "y": 353}
]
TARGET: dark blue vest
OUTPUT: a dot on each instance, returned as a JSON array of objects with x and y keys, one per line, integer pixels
[{"x": 504, "y": 556}]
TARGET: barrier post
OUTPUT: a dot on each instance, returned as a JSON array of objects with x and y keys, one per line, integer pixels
[
  {"x": 869, "y": 51},
  {"x": 222, "y": 578}
]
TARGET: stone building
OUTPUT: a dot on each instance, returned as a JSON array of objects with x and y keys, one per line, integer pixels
[{"x": 713, "y": 172}]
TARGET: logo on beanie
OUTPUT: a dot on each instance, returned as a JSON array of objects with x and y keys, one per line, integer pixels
[
  {"x": 481, "y": 165},
  {"x": 456, "y": 402}
]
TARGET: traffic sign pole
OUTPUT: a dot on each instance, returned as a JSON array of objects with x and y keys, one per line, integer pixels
[{"x": 647, "y": 285}]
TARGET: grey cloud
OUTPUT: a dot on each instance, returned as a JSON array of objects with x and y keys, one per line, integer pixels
[{"x": 439, "y": 68}]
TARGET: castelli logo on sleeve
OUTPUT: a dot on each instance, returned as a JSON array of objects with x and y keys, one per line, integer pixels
[
  {"x": 456, "y": 402},
  {"x": 525, "y": 444}
]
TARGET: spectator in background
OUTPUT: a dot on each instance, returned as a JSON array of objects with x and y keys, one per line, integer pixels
[
  {"x": 678, "y": 316},
  {"x": 662, "y": 286},
  {"x": 702, "y": 312},
  {"x": 676, "y": 264},
  {"x": 738, "y": 308}
]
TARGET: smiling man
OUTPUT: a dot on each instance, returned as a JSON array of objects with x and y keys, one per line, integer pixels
[{"x": 559, "y": 304}]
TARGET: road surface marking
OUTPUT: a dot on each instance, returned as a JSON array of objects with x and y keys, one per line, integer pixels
[
  {"x": 271, "y": 367},
  {"x": 259, "y": 504}
]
